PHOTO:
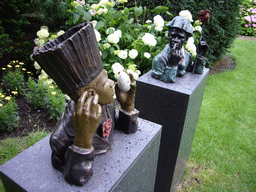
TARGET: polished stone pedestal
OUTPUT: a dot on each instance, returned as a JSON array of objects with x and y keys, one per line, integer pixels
[
  {"x": 176, "y": 107},
  {"x": 129, "y": 166}
]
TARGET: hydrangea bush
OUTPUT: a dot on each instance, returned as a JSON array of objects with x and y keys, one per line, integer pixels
[
  {"x": 126, "y": 39},
  {"x": 123, "y": 35},
  {"x": 248, "y": 17}
]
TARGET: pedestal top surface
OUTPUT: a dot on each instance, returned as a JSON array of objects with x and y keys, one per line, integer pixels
[
  {"x": 185, "y": 84},
  {"x": 32, "y": 168}
]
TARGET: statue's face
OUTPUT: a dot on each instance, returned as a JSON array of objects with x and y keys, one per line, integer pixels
[
  {"x": 105, "y": 88},
  {"x": 177, "y": 37},
  {"x": 101, "y": 85}
]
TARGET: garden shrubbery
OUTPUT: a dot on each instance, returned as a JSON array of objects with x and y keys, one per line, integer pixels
[
  {"x": 224, "y": 25},
  {"x": 248, "y": 17},
  {"x": 129, "y": 35},
  {"x": 42, "y": 93}
]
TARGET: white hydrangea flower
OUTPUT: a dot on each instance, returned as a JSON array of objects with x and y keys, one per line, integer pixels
[
  {"x": 190, "y": 40},
  {"x": 43, "y": 33},
  {"x": 187, "y": 14},
  {"x": 102, "y": 10},
  {"x": 198, "y": 28},
  {"x": 116, "y": 52},
  {"x": 147, "y": 55},
  {"x": 43, "y": 75},
  {"x": 117, "y": 68},
  {"x": 149, "y": 39},
  {"x": 110, "y": 29},
  {"x": 61, "y": 32},
  {"x": 81, "y": 2},
  {"x": 95, "y": 6},
  {"x": 122, "y": 54},
  {"x": 94, "y": 22},
  {"x": 113, "y": 38},
  {"x": 133, "y": 53},
  {"x": 102, "y": 2},
  {"x": 98, "y": 36},
  {"x": 190, "y": 46},
  {"x": 148, "y": 21},
  {"x": 118, "y": 33},
  {"x": 40, "y": 42},
  {"x": 92, "y": 12},
  {"x": 36, "y": 65},
  {"x": 106, "y": 46},
  {"x": 135, "y": 74},
  {"x": 123, "y": 1},
  {"x": 159, "y": 22}
]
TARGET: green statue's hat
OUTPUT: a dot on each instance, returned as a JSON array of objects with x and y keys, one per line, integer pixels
[
  {"x": 72, "y": 60},
  {"x": 181, "y": 23}
]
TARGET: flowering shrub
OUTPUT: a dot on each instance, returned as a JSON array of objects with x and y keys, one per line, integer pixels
[
  {"x": 13, "y": 78},
  {"x": 123, "y": 35},
  {"x": 248, "y": 17},
  {"x": 44, "y": 95},
  {"x": 9, "y": 119}
]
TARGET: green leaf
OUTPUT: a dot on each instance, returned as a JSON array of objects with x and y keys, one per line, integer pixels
[
  {"x": 138, "y": 11},
  {"x": 126, "y": 11},
  {"x": 158, "y": 9},
  {"x": 168, "y": 13},
  {"x": 87, "y": 16},
  {"x": 75, "y": 18},
  {"x": 80, "y": 10},
  {"x": 99, "y": 25},
  {"x": 131, "y": 21},
  {"x": 104, "y": 54}
]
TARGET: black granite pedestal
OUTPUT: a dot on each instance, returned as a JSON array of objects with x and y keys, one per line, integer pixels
[
  {"x": 176, "y": 107},
  {"x": 129, "y": 166}
]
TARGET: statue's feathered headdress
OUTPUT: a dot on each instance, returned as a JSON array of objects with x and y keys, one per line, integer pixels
[{"x": 73, "y": 59}]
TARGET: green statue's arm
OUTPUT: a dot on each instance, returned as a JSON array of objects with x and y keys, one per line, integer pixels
[{"x": 161, "y": 70}]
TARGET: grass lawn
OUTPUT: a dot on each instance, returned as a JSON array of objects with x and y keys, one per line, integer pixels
[
  {"x": 11, "y": 147},
  {"x": 223, "y": 155}
]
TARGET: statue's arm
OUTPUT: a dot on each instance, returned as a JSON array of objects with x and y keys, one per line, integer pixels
[
  {"x": 200, "y": 63},
  {"x": 79, "y": 157},
  {"x": 128, "y": 115},
  {"x": 161, "y": 71},
  {"x": 200, "y": 60}
]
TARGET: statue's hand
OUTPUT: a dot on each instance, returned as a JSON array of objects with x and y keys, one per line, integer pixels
[
  {"x": 126, "y": 99},
  {"x": 86, "y": 119},
  {"x": 203, "y": 47},
  {"x": 174, "y": 57}
]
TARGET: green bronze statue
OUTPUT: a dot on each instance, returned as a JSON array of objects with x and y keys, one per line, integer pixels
[
  {"x": 174, "y": 60},
  {"x": 86, "y": 127}
]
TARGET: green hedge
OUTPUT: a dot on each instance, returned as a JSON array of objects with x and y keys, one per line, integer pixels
[
  {"x": 11, "y": 17},
  {"x": 53, "y": 13},
  {"x": 219, "y": 32}
]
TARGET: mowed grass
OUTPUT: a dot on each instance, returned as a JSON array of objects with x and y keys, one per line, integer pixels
[
  {"x": 11, "y": 147},
  {"x": 223, "y": 155}
]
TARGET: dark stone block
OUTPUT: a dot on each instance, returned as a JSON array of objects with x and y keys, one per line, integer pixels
[
  {"x": 176, "y": 107},
  {"x": 129, "y": 166}
]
